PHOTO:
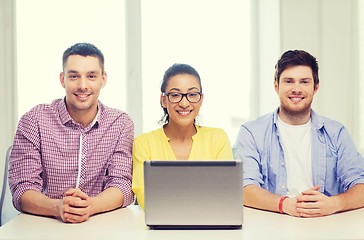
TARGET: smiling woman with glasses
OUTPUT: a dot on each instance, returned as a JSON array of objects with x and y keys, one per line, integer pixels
[{"x": 180, "y": 137}]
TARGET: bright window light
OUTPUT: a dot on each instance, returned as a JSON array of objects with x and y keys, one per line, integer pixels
[
  {"x": 46, "y": 28},
  {"x": 211, "y": 36}
]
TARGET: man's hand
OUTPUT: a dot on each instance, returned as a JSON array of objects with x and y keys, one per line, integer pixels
[
  {"x": 76, "y": 206},
  {"x": 289, "y": 206},
  {"x": 312, "y": 203}
]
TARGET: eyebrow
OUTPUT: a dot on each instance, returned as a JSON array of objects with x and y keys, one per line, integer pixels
[
  {"x": 177, "y": 89},
  {"x": 305, "y": 78},
  {"x": 90, "y": 72}
]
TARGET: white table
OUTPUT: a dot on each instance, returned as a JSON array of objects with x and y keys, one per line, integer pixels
[{"x": 128, "y": 223}]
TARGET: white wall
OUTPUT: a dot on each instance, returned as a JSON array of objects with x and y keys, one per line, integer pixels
[
  {"x": 361, "y": 74},
  {"x": 134, "y": 63},
  {"x": 265, "y": 42},
  {"x": 328, "y": 30},
  {"x": 8, "y": 98}
]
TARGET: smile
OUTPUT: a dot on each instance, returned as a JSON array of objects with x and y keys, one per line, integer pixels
[
  {"x": 184, "y": 112},
  {"x": 296, "y": 99},
  {"x": 82, "y": 96}
]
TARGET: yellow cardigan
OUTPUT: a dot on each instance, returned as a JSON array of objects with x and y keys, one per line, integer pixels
[{"x": 208, "y": 143}]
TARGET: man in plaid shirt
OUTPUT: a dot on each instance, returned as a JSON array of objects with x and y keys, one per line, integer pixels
[{"x": 72, "y": 158}]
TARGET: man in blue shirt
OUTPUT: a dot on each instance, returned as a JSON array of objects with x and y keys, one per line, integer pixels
[{"x": 296, "y": 161}]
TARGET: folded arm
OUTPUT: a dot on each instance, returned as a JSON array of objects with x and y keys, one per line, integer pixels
[
  {"x": 78, "y": 206},
  {"x": 75, "y": 207},
  {"x": 120, "y": 165},
  {"x": 37, "y": 203},
  {"x": 315, "y": 204},
  {"x": 257, "y": 197}
]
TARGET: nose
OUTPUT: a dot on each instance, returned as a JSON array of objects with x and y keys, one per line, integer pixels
[
  {"x": 296, "y": 89},
  {"x": 184, "y": 102},
  {"x": 82, "y": 84}
]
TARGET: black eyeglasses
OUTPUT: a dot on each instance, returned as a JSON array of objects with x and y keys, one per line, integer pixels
[{"x": 175, "y": 97}]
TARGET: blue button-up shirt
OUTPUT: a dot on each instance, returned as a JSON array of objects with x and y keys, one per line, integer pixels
[{"x": 336, "y": 164}]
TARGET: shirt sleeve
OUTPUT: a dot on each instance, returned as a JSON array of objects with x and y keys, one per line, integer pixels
[
  {"x": 350, "y": 165},
  {"x": 25, "y": 167},
  {"x": 245, "y": 149},
  {"x": 120, "y": 165},
  {"x": 140, "y": 154}
]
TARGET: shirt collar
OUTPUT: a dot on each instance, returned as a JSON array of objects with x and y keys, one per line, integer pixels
[
  {"x": 63, "y": 113},
  {"x": 197, "y": 132},
  {"x": 316, "y": 120},
  {"x": 193, "y": 137},
  {"x": 96, "y": 120},
  {"x": 66, "y": 117},
  {"x": 275, "y": 116}
]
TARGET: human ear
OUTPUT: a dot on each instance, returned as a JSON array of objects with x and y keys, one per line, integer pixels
[
  {"x": 316, "y": 88},
  {"x": 201, "y": 100},
  {"x": 61, "y": 78},
  {"x": 104, "y": 79},
  {"x": 276, "y": 87},
  {"x": 163, "y": 101}
]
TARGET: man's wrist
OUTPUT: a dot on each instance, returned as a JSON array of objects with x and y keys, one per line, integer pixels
[
  {"x": 57, "y": 208},
  {"x": 280, "y": 206},
  {"x": 93, "y": 202},
  {"x": 337, "y": 203}
]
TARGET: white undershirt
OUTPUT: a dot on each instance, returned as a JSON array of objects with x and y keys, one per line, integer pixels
[{"x": 296, "y": 144}]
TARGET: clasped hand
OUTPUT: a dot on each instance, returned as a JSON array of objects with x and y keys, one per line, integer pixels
[
  {"x": 75, "y": 207},
  {"x": 311, "y": 203}
]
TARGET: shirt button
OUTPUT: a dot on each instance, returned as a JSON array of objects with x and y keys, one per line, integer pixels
[
  {"x": 283, "y": 187},
  {"x": 282, "y": 163}
]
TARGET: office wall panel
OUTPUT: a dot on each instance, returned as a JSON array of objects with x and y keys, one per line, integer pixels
[
  {"x": 8, "y": 98},
  {"x": 328, "y": 30}
]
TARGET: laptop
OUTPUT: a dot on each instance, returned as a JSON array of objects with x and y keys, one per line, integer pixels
[{"x": 193, "y": 194}]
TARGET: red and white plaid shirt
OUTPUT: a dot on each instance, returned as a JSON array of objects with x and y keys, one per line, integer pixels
[{"x": 52, "y": 153}]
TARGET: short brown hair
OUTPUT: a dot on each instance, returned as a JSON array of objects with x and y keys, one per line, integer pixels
[
  {"x": 84, "y": 49},
  {"x": 293, "y": 58}
]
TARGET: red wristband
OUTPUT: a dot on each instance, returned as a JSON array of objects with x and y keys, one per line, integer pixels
[{"x": 281, "y": 203}]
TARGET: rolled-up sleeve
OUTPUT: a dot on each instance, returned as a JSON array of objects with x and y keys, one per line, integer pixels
[
  {"x": 245, "y": 149},
  {"x": 350, "y": 165},
  {"x": 120, "y": 165},
  {"x": 25, "y": 167}
]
